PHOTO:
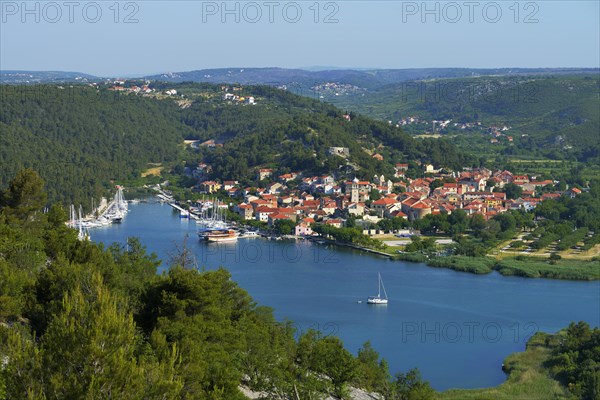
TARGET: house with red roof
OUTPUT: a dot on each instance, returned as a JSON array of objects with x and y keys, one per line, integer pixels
[
  {"x": 337, "y": 223},
  {"x": 572, "y": 192},
  {"x": 229, "y": 184},
  {"x": 262, "y": 213},
  {"x": 264, "y": 173},
  {"x": 245, "y": 211},
  {"x": 274, "y": 217},
  {"x": 303, "y": 229},
  {"x": 553, "y": 196},
  {"x": 384, "y": 206},
  {"x": 356, "y": 209},
  {"x": 285, "y": 178},
  {"x": 398, "y": 214}
]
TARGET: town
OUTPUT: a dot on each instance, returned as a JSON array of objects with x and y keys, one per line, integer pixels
[{"x": 308, "y": 200}]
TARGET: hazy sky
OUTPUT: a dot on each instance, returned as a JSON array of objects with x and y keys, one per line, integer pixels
[{"x": 93, "y": 37}]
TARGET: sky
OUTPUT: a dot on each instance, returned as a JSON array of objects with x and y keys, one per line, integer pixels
[{"x": 109, "y": 38}]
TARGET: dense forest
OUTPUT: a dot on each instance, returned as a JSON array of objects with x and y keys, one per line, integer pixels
[
  {"x": 84, "y": 139},
  {"x": 79, "y": 321}
]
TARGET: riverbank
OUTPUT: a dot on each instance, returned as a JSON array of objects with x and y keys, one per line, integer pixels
[
  {"x": 527, "y": 267},
  {"x": 533, "y": 374},
  {"x": 350, "y": 245},
  {"x": 527, "y": 379}
]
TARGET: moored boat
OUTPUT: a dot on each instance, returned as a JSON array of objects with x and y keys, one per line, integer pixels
[
  {"x": 248, "y": 235},
  {"x": 221, "y": 235},
  {"x": 378, "y": 299}
]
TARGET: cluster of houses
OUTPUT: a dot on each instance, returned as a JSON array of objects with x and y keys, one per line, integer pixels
[
  {"x": 145, "y": 89},
  {"x": 229, "y": 95},
  {"x": 498, "y": 133},
  {"x": 336, "y": 89},
  {"x": 309, "y": 199},
  {"x": 239, "y": 99}
]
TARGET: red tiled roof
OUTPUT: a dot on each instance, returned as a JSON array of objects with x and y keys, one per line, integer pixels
[
  {"x": 385, "y": 201},
  {"x": 265, "y": 209},
  {"x": 278, "y": 216}
]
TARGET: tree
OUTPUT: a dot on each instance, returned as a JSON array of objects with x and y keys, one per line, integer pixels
[
  {"x": 436, "y": 184},
  {"x": 513, "y": 191},
  {"x": 374, "y": 195},
  {"x": 410, "y": 386},
  {"x": 458, "y": 221},
  {"x": 554, "y": 257},
  {"x": 327, "y": 355},
  {"x": 574, "y": 360},
  {"x": 372, "y": 373},
  {"x": 284, "y": 226},
  {"x": 477, "y": 224},
  {"x": 25, "y": 195},
  {"x": 90, "y": 351},
  {"x": 418, "y": 244}
]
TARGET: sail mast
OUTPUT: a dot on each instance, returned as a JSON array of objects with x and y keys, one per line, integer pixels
[{"x": 384, "y": 292}]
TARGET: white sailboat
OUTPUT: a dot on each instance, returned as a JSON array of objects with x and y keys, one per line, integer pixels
[
  {"x": 378, "y": 299},
  {"x": 83, "y": 233}
]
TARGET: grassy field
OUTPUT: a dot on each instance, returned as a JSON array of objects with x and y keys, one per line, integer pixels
[
  {"x": 509, "y": 265},
  {"x": 581, "y": 255},
  {"x": 527, "y": 379},
  {"x": 152, "y": 171},
  {"x": 584, "y": 266}
]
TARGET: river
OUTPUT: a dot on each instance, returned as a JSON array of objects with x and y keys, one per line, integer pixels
[{"x": 456, "y": 327}]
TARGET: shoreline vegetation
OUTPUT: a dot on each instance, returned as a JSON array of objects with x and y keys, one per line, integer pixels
[
  {"x": 561, "y": 366},
  {"x": 527, "y": 267}
]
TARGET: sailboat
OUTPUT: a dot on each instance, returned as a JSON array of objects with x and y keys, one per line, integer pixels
[{"x": 378, "y": 299}]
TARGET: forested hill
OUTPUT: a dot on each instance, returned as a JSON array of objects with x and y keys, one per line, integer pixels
[
  {"x": 555, "y": 116},
  {"x": 82, "y": 139}
]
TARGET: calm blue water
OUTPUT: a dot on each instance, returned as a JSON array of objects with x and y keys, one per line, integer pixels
[{"x": 457, "y": 328}]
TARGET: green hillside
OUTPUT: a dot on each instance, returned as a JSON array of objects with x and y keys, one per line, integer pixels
[
  {"x": 84, "y": 139},
  {"x": 81, "y": 139},
  {"x": 551, "y": 116}
]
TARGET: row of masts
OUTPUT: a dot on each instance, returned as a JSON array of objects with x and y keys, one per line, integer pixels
[
  {"x": 211, "y": 214},
  {"x": 114, "y": 212},
  {"x": 76, "y": 221}
]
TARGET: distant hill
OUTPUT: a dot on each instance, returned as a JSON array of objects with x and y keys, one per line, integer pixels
[
  {"x": 304, "y": 79},
  {"x": 366, "y": 79},
  {"x": 38, "y": 77},
  {"x": 551, "y": 112}
]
